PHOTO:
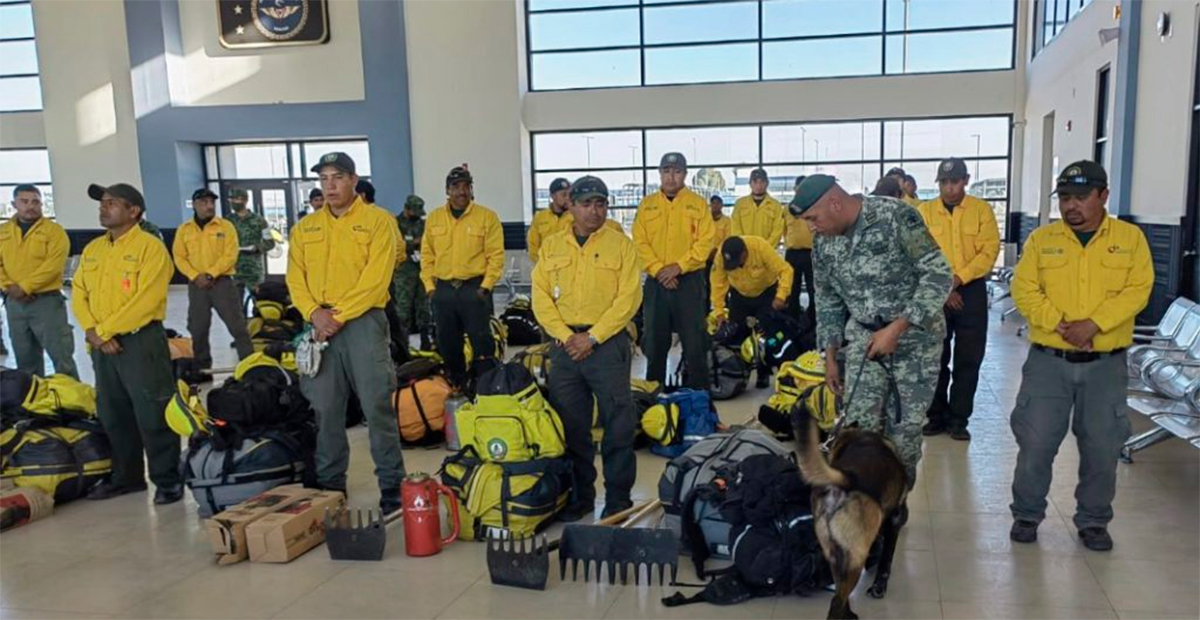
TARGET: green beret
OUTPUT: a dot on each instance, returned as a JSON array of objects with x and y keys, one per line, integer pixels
[{"x": 810, "y": 191}]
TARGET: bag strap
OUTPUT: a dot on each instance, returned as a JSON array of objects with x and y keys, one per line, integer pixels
[
  {"x": 420, "y": 408},
  {"x": 691, "y": 529}
]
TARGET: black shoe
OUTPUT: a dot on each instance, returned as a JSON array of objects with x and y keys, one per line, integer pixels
[
  {"x": 109, "y": 490},
  {"x": 164, "y": 495},
  {"x": 933, "y": 427},
  {"x": 1096, "y": 538},
  {"x": 960, "y": 433},
  {"x": 612, "y": 508},
  {"x": 1023, "y": 531},
  {"x": 389, "y": 500},
  {"x": 577, "y": 511},
  {"x": 763, "y": 382}
]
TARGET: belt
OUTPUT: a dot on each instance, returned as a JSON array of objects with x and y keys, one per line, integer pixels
[
  {"x": 1078, "y": 357},
  {"x": 461, "y": 283},
  {"x": 579, "y": 329}
]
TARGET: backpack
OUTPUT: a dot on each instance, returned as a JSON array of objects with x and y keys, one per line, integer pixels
[
  {"x": 536, "y": 360},
  {"x": 689, "y": 416},
  {"x": 14, "y": 385},
  {"x": 223, "y": 473},
  {"x": 515, "y": 499},
  {"x": 421, "y": 410},
  {"x": 729, "y": 373},
  {"x": 698, "y": 466},
  {"x": 510, "y": 421},
  {"x": 800, "y": 381},
  {"x": 56, "y": 397},
  {"x": 273, "y": 318},
  {"x": 520, "y": 323},
  {"x": 499, "y": 336},
  {"x": 64, "y": 461},
  {"x": 782, "y": 338},
  {"x": 261, "y": 394}
]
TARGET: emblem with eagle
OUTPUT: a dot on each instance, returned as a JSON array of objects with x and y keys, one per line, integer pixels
[{"x": 279, "y": 20}]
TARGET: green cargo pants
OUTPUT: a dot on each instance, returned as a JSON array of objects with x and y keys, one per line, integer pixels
[
  {"x": 41, "y": 326},
  {"x": 226, "y": 299},
  {"x": 132, "y": 391},
  {"x": 357, "y": 360}
]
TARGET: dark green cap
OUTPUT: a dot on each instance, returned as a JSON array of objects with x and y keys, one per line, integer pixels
[
  {"x": 732, "y": 251},
  {"x": 952, "y": 169},
  {"x": 810, "y": 191},
  {"x": 673, "y": 160},
  {"x": 415, "y": 204},
  {"x": 588, "y": 187},
  {"x": 1081, "y": 177},
  {"x": 237, "y": 192}
]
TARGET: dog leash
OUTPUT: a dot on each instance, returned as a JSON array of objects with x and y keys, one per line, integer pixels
[{"x": 893, "y": 395}]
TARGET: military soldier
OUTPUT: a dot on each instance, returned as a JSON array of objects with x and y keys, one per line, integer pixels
[
  {"x": 253, "y": 239},
  {"x": 345, "y": 307},
  {"x": 33, "y": 253},
  {"x": 881, "y": 283},
  {"x": 149, "y": 227},
  {"x": 798, "y": 243},
  {"x": 758, "y": 214},
  {"x": 673, "y": 232},
  {"x": 206, "y": 252},
  {"x": 1080, "y": 283},
  {"x": 119, "y": 296},
  {"x": 755, "y": 279},
  {"x": 586, "y": 289},
  {"x": 411, "y": 303},
  {"x": 549, "y": 221},
  {"x": 462, "y": 260},
  {"x": 964, "y": 227}
]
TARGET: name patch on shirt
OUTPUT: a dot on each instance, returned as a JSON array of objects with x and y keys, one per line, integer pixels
[
  {"x": 1116, "y": 249},
  {"x": 1053, "y": 251}
]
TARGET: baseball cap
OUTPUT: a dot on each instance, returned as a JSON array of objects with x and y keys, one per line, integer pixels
[
  {"x": 673, "y": 160},
  {"x": 559, "y": 184},
  {"x": 897, "y": 171},
  {"x": 237, "y": 192},
  {"x": 1081, "y": 177},
  {"x": 338, "y": 160},
  {"x": 316, "y": 192},
  {"x": 588, "y": 187},
  {"x": 952, "y": 169},
  {"x": 810, "y": 191},
  {"x": 458, "y": 174},
  {"x": 124, "y": 191},
  {"x": 204, "y": 192},
  {"x": 758, "y": 173},
  {"x": 414, "y": 203},
  {"x": 732, "y": 252}
]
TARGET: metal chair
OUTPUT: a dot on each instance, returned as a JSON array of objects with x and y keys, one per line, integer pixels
[
  {"x": 1186, "y": 336},
  {"x": 1168, "y": 327}
]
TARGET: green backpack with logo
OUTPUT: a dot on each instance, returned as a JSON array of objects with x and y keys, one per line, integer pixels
[{"x": 510, "y": 421}]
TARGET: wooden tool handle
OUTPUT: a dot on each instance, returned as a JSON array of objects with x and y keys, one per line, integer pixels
[
  {"x": 624, "y": 514},
  {"x": 646, "y": 509}
]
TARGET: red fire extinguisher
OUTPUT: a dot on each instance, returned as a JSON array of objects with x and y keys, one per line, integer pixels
[{"x": 422, "y": 524}]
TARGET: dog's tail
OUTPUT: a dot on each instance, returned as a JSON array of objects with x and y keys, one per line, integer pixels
[{"x": 816, "y": 470}]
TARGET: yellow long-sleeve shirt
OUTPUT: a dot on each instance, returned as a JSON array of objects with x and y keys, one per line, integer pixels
[
  {"x": 598, "y": 284},
  {"x": 121, "y": 284},
  {"x": 761, "y": 220},
  {"x": 344, "y": 263},
  {"x": 763, "y": 267},
  {"x": 34, "y": 260},
  {"x": 968, "y": 237},
  {"x": 912, "y": 201},
  {"x": 546, "y": 223},
  {"x": 1109, "y": 282},
  {"x": 799, "y": 235},
  {"x": 462, "y": 248},
  {"x": 721, "y": 232},
  {"x": 212, "y": 249},
  {"x": 676, "y": 231}
]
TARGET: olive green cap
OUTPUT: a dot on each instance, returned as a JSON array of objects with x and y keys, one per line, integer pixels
[{"x": 810, "y": 191}]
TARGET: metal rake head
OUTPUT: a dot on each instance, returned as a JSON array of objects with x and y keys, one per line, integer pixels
[
  {"x": 520, "y": 563},
  {"x": 614, "y": 551},
  {"x": 355, "y": 534}
]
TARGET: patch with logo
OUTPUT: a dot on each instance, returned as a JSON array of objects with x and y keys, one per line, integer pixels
[
  {"x": 947, "y": 166},
  {"x": 1116, "y": 249},
  {"x": 360, "y": 228},
  {"x": 497, "y": 448},
  {"x": 1073, "y": 171},
  {"x": 329, "y": 158}
]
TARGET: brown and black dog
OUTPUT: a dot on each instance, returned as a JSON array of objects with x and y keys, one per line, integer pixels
[{"x": 858, "y": 494}]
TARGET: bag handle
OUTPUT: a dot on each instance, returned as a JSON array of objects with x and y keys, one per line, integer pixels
[{"x": 456, "y": 525}]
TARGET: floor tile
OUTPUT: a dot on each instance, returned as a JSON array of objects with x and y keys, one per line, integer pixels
[
  {"x": 988, "y": 533},
  {"x": 35, "y": 614},
  {"x": 994, "y": 611},
  {"x": 646, "y": 602},
  {"x": 1039, "y": 580},
  {"x": 105, "y": 585},
  {"x": 570, "y": 599},
  {"x": 1152, "y": 586},
  {"x": 365, "y": 591}
]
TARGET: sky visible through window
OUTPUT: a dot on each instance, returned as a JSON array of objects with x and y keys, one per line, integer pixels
[{"x": 616, "y": 43}]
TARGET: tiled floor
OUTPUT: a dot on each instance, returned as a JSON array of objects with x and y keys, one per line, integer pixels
[{"x": 126, "y": 559}]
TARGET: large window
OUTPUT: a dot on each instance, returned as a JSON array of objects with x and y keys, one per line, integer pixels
[
  {"x": 720, "y": 158},
  {"x": 20, "y": 89},
  {"x": 1050, "y": 17},
  {"x": 20, "y": 166},
  {"x": 1100, "y": 151},
  {"x": 613, "y": 43}
]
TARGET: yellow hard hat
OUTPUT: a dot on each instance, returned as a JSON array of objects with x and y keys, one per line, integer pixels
[
  {"x": 812, "y": 363},
  {"x": 749, "y": 350},
  {"x": 185, "y": 412},
  {"x": 661, "y": 423}
]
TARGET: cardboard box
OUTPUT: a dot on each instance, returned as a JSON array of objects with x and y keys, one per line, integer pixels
[
  {"x": 227, "y": 530},
  {"x": 19, "y": 506},
  {"x": 289, "y": 532}
]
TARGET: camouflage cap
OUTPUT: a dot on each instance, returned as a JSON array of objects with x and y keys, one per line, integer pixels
[
  {"x": 237, "y": 192},
  {"x": 758, "y": 173},
  {"x": 810, "y": 191},
  {"x": 414, "y": 203}
]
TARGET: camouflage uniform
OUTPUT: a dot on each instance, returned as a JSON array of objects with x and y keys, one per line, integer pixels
[
  {"x": 885, "y": 267},
  {"x": 407, "y": 290},
  {"x": 149, "y": 227},
  {"x": 250, "y": 265}
]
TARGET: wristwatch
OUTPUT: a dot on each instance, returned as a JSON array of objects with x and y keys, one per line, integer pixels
[{"x": 592, "y": 339}]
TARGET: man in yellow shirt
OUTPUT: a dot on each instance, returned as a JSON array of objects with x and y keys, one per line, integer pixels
[
  {"x": 964, "y": 228},
  {"x": 586, "y": 289},
  {"x": 33, "y": 252},
  {"x": 673, "y": 232},
  {"x": 206, "y": 253},
  {"x": 758, "y": 214},
  {"x": 755, "y": 279},
  {"x": 798, "y": 244},
  {"x": 549, "y": 221},
  {"x": 1080, "y": 283},
  {"x": 119, "y": 296},
  {"x": 340, "y": 263},
  {"x": 908, "y": 185},
  {"x": 462, "y": 260},
  {"x": 721, "y": 226}
]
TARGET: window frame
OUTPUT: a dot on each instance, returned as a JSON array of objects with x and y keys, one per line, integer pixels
[
  {"x": 17, "y": 76},
  {"x": 1100, "y": 133},
  {"x": 7, "y": 197},
  {"x": 1039, "y": 39},
  {"x": 641, "y": 5}
]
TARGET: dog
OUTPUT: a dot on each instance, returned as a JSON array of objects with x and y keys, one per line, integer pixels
[{"x": 859, "y": 494}]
